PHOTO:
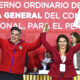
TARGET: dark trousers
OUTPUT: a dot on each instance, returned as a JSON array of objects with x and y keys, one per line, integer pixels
[{"x": 10, "y": 76}]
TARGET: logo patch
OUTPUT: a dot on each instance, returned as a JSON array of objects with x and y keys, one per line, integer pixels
[{"x": 20, "y": 47}]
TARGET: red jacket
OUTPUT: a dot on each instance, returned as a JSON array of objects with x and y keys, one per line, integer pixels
[
  {"x": 35, "y": 58},
  {"x": 13, "y": 56},
  {"x": 54, "y": 70}
]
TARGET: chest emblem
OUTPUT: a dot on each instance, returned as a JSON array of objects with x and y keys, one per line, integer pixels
[{"x": 20, "y": 47}]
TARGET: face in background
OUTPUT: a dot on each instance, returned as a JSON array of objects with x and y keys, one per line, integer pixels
[
  {"x": 48, "y": 55},
  {"x": 62, "y": 43},
  {"x": 73, "y": 39},
  {"x": 15, "y": 36}
]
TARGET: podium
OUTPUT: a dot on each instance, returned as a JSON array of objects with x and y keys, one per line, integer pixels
[
  {"x": 37, "y": 77},
  {"x": 44, "y": 76}
]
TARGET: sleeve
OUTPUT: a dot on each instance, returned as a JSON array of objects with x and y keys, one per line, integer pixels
[
  {"x": 33, "y": 63},
  {"x": 33, "y": 59},
  {"x": 1, "y": 42},
  {"x": 45, "y": 43},
  {"x": 34, "y": 45},
  {"x": 76, "y": 48},
  {"x": 37, "y": 55}
]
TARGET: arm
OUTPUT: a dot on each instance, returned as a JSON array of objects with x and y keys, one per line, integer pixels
[
  {"x": 34, "y": 45},
  {"x": 45, "y": 43},
  {"x": 37, "y": 55},
  {"x": 33, "y": 58},
  {"x": 76, "y": 48},
  {"x": 43, "y": 38}
]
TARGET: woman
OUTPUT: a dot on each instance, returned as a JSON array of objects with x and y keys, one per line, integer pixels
[
  {"x": 75, "y": 38},
  {"x": 62, "y": 68}
]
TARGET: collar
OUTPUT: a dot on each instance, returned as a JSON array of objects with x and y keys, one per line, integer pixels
[{"x": 20, "y": 41}]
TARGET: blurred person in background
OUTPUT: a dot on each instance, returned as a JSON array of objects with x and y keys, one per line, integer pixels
[
  {"x": 39, "y": 59},
  {"x": 75, "y": 38}
]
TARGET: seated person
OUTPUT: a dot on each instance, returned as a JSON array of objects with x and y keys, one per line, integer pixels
[
  {"x": 37, "y": 58},
  {"x": 46, "y": 61}
]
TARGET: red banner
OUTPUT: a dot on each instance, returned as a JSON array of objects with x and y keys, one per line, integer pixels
[{"x": 30, "y": 15}]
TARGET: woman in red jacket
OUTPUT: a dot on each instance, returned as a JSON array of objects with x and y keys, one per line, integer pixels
[{"x": 62, "y": 68}]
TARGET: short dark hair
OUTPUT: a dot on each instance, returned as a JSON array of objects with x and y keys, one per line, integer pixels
[
  {"x": 48, "y": 52},
  {"x": 65, "y": 37},
  {"x": 15, "y": 28}
]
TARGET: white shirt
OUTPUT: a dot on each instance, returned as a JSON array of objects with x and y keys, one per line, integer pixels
[
  {"x": 63, "y": 59},
  {"x": 45, "y": 62}
]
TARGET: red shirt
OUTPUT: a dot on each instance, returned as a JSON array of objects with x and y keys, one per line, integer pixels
[
  {"x": 13, "y": 56},
  {"x": 35, "y": 58},
  {"x": 54, "y": 70}
]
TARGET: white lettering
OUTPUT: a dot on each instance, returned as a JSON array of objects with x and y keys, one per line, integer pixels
[
  {"x": 22, "y": 15},
  {"x": 10, "y": 5},
  {"x": 52, "y": 15}
]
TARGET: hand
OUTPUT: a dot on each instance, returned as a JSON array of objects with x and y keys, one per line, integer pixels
[
  {"x": 45, "y": 28},
  {"x": 35, "y": 69},
  {"x": 25, "y": 69}
]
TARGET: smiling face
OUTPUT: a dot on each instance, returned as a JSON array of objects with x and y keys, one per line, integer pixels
[
  {"x": 62, "y": 43},
  {"x": 15, "y": 36}
]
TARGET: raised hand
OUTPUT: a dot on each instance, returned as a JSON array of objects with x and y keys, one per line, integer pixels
[{"x": 45, "y": 28}]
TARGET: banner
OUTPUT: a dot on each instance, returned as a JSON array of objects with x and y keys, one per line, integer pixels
[
  {"x": 30, "y": 15},
  {"x": 77, "y": 20}
]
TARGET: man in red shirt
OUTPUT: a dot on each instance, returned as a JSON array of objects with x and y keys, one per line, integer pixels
[{"x": 13, "y": 55}]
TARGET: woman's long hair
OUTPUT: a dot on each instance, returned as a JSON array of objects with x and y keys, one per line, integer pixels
[
  {"x": 76, "y": 35},
  {"x": 65, "y": 37}
]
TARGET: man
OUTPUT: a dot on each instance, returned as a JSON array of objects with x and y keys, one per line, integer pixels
[{"x": 13, "y": 55}]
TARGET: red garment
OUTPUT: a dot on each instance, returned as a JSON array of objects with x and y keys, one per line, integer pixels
[
  {"x": 29, "y": 66},
  {"x": 62, "y": 78},
  {"x": 54, "y": 70},
  {"x": 13, "y": 56},
  {"x": 35, "y": 58}
]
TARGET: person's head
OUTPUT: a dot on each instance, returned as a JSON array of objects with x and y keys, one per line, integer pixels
[
  {"x": 15, "y": 34},
  {"x": 62, "y": 42},
  {"x": 48, "y": 54},
  {"x": 75, "y": 38}
]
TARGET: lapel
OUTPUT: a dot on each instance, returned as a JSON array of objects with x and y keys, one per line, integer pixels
[{"x": 59, "y": 57}]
